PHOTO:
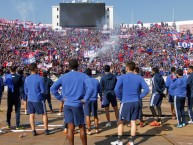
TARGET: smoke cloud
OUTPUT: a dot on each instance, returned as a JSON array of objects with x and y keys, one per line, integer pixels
[
  {"x": 25, "y": 8},
  {"x": 110, "y": 44}
]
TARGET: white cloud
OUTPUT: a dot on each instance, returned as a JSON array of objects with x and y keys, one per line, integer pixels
[{"x": 25, "y": 8}]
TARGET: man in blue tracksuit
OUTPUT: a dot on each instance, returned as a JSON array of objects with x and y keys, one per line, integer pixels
[
  {"x": 47, "y": 96},
  {"x": 136, "y": 71},
  {"x": 179, "y": 86},
  {"x": 76, "y": 91},
  {"x": 91, "y": 106},
  {"x": 190, "y": 93},
  {"x": 13, "y": 82},
  {"x": 107, "y": 86},
  {"x": 170, "y": 93},
  {"x": 158, "y": 87},
  {"x": 34, "y": 89},
  {"x": 129, "y": 91}
]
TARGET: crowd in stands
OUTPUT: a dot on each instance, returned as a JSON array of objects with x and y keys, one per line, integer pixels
[{"x": 23, "y": 43}]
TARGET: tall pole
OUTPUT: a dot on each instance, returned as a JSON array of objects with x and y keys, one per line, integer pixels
[
  {"x": 173, "y": 14},
  {"x": 132, "y": 16},
  {"x": 34, "y": 16}
]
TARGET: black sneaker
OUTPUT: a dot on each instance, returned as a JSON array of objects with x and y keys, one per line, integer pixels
[
  {"x": 34, "y": 133},
  {"x": 47, "y": 132}
]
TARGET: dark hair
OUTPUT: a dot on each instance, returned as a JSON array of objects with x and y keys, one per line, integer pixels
[
  {"x": 173, "y": 69},
  {"x": 137, "y": 70},
  {"x": 130, "y": 65},
  {"x": 123, "y": 71},
  {"x": 45, "y": 74},
  {"x": 33, "y": 66},
  {"x": 73, "y": 64},
  {"x": 191, "y": 67},
  {"x": 20, "y": 72},
  {"x": 13, "y": 69},
  {"x": 66, "y": 71},
  {"x": 107, "y": 68},
  {"x": 155, "y": 69},
  {"x": 1, "y": 71},
  {"x": 180, "y": 72},
  {"x": 88, "y": 71},
  {"x": 27, "y": 73}
]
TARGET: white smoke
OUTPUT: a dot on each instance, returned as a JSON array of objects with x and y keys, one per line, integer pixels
[
  {"x": 25, "y": 8},
  {"x": 110, "y": 44}
]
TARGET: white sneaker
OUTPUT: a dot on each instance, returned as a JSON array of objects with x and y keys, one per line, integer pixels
[
  {"x": 88, "y": 132},
  {"x": 190, "y": 122},
  {"x": 108, "y": 124},
  {"x": 130, "y": 143},
  {"x": 26, "y": 112},
  {"x": 59, "y": 114},
  {"x": 117, "y": 143}
]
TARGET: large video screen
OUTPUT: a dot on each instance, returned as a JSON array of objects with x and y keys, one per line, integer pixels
[{"x": 82, "y": 14}]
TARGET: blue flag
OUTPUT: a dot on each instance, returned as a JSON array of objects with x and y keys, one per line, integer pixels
[{"x": 9, "y": 82}]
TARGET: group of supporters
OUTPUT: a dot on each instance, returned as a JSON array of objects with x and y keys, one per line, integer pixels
[
  {"x": 147, "y": 46},
  {"x": 79, "y": 93}
]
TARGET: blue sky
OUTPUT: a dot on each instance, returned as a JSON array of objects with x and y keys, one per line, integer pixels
[{"x": 143, "y": 10}]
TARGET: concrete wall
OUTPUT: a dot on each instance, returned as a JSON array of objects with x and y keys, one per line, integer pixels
[{"x": 55, "y": 17}]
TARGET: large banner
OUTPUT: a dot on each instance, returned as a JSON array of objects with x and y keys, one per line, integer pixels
[
  {"x": 91, "y": 53},
  {"x": 124, "y": 36},
  {"x": 185, "y": 45},
  {"x": 29, "y": 58}
]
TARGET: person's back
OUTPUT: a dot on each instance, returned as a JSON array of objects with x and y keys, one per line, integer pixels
[
  {"x": 107, "y": 94},
  {"x": 108, "y": 82},
  {"x": 179, "y": 87},
  {"x": 129, "y": 91},
  {"x": 158, "y": 87},
  {"x": 47, "y": 83},
  {"x": 169, "y": 80},
  {"x": 91, "y": 106},
  {"x": 158, "y": 84},
  {"x": 34, "y": 88},
  {"x": 72, "y": 87},
  {"x": 16, "y": 84},
  {"x": 95, "y": 91},
  {"x": 132, "y": 86},
  {"x": 76, "y": 91}
]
